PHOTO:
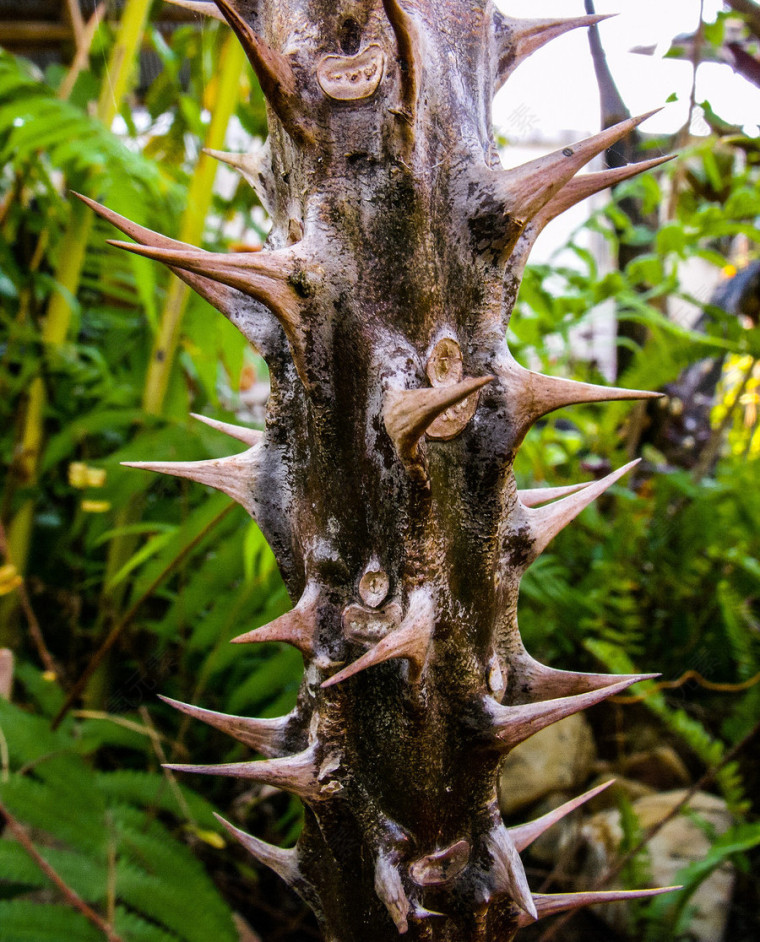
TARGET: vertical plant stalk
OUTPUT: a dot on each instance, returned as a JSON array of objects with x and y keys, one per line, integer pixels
[
  {"x": 163, "y": 355},
  {"x": 384, "y": 479},
  {"x": 124, "y": 57},
  {"x": 199, "y": 199}
]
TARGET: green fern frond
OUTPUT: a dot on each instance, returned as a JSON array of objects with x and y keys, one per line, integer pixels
[{"x": 24, "y": 921}]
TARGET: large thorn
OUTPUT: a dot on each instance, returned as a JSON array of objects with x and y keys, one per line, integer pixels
[
  {"x": 589, "y": 184},
  {"x": 536, "y": 395},
  {"x": 543, "y": 683},
  {"x": 390, "y": 890},
  {"x": 577, "y": 190},
  {"x": 226, "y": 300},
  {"x": 407, "y": 40},
  {"x": 508, "y": 873},
  {"x": 547, "y": 522},
  {"x": 296, "y": 774},
  {"x": 254, "y": 169},
  {"x": 526, "y": 834},
  {"x": 265, "y": 276},
  {"x": 268, "y": 277},
  {"x": 200, "y": 7},
  {"x": 283, "y": 862},
  {"x": 411, "y": 640},
  {"x": 512, "y": 725},
  {"x": 525, "y": 190},
  {"x": 535, "y": 497},
  {"x": 265, "y": 736},
  {"x": 517, "y": 39},
  {"x": 297, "y": 627},
  {"x": 139, "y": 233},
  {"x": 233, "y": 476},
  {"x": 408, "y": 413},
  {"x": 248, "y": 436},
  {"x": 567, "y": 902},
  {"x": 275, "y": 75}
]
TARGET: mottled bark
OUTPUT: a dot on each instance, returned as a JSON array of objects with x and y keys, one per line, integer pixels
[{"x": 383, "y": 480}]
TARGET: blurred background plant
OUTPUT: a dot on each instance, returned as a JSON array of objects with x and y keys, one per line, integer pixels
[{"x": 115, "y": 586}]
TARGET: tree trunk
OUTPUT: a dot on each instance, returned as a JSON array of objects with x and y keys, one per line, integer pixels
[{"x": 384, "y": 478}]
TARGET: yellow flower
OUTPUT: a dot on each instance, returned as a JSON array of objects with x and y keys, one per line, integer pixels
[
  {"x": 96, "y": 506},
  {"x": 82, "y": 476},
  {"x": 10, "y": 579}
]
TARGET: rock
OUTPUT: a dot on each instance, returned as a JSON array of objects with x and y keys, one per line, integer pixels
[
  {"x": 679, "y": 843},
  {"x": 559, "y": 758},
  {"x": 660, "y": 768}
]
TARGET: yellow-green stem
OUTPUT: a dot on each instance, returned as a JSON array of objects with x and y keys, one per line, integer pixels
[
  {"x": 121, "y": 67},
  {"x": 233, "y": 63},
  {"x": 198, "y": 203}
]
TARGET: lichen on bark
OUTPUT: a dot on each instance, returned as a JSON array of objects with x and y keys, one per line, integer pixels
[{"x": 383, "y": 480}]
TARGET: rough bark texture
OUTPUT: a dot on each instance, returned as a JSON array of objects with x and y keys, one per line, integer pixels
[{"x": 384, "y": 478}]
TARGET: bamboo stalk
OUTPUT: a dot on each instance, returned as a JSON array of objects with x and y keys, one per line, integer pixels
[
  {"x": 200, "y": 192},
  {"x": 199, "y": 197},
  {"x": 68, "y": 274}
]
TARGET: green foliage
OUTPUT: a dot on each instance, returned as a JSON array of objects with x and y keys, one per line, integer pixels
[
  {"x": 113, "y": 838},
  {"x": 669, "y": 917}
]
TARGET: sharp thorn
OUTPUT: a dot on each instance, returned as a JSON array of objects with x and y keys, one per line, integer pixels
[
  {"x": 140, "y": 234},
  {"x": 543, "y": 683},
  {"x": 297, "y": 627},
  {"x": 404, "y": 29},
  {"x": 200, "y": 7},
  {"x": 391, "y": 892},
  {"x": 508, "y": 873},
  {"x": 408, "y": 413},
  {"x": 526, "y": 834},
  {"x": 410, "y": 641},
  {"x": 263, "y": 276},
  {"x": 283, "y": 862},
  {"x": 537, "y": 496},
  {"x": 512, "y": 725},
  {"x": 254, "y": 171},
  {"x": 296, "y": 774},
  {"x": 420, "y": 913},
  {"x": 518, "y": 39},
  {"x": 547, "y": 522},
  {"x": 248, "y": 436},
  {"x": 527, "y": 189},
  {"x": 567, "y": 902},
  {"x": 588, "y": 184},
  {"x": 265, "y": 736},
  {"x": 536, "y": 395},
  {"x": 233, "y": 476},
  {"x": 275, "y": 75},
  {"x": 228, "y": 301}
]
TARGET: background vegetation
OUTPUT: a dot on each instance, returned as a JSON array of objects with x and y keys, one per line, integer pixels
[{"x": 116, "y": 586}]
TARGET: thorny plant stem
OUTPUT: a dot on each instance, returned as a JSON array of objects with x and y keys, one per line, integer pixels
[
  {"x": 72, "y": 898},
  {"x": 622, "y": 863}
]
